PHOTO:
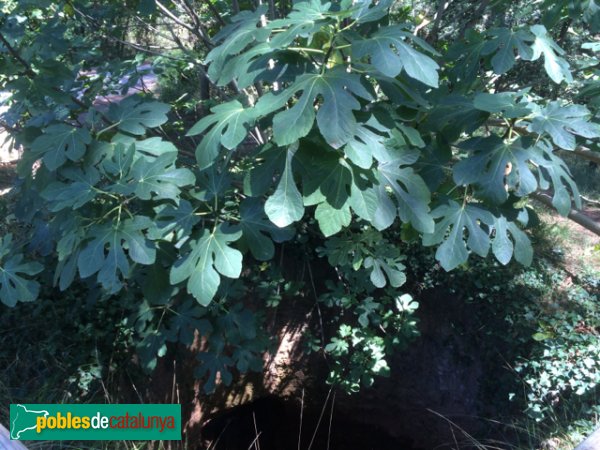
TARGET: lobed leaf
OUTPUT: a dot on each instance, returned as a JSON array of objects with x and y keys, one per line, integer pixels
[{"x": 210, "y": 256}]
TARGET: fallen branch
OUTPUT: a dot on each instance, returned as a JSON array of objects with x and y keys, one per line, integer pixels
[
  {"x": 590, "y": 201},
  {"x": 575, "y": 215}
]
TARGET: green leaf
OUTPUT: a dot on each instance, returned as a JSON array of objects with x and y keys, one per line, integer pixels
[
  {"x": 539, "y": 337},
  {"x": 117, "y": 162},
  {"x": 76, "y": 192},
  {"x": 332, "y": 220},
  {"x": 456, "y": 219},
  {"x": 591, "y": 14},
  {"x": 554, "y": 172},
  {"x": 61, "y": 142},
  {"x": 338, "y": 90},
  {"x": 504, "y": 103},
  {"x": 255, "y": 226},
  {"x": 146, "y": 7},
  {"x": 503, "y": 247},
  {"x": 235, "y": 37},
  {"x": 230, "y": 122},
  {"x": 149, "y": 148},
  {"x": 505, "y": 42},
  {"x": 366, "y": 11},
  {"x": 160, "y": 178},
  {"x": 307, "y": 17},
  {"x": 406, "y": 304},
  {"x": 245, "y": 68},
  {"x": 337, "y": 347},
  {"x": 367, "y": 143},
  {"x": 390, "y": 54},
  {"x": 259, "y": 179},
  {"x": 126, "y": 234},
  {"x": 453, "y": 115},
  {"x": 363, "y": 200},
  {"x": 133, "y": 115},
  {"x": 179, "y": 221},
  {"x": 563, "y": 122},
  {"x": 326, "y": 177},
  {"x": 556, "y": 67},
  {"x": 183, "y": 325},
  {"x": 212, "y": 182},
  {"x": 393, "y": 269},
  {"x": 466, "y": 56},
  {"x": 213, "y": 365},
  {"x": 151, "y": 347},
  {"x": 412, "y": 135},
  {"x": 411, "y": 194},
  {"x": 486, "y": 167},
  {"x": 210, "y": 256},
  {"x": 285, "y": 206},
  {"x": 154, "y": 284},
  {"x": 14, "y": 284}
]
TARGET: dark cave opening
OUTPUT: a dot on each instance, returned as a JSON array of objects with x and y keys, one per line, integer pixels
[{"x": 274, "y": 424}]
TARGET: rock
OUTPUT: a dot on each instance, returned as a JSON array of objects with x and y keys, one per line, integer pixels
[
  {"x": 591, "y": 443},
  {"x": 6, "y": 443}
]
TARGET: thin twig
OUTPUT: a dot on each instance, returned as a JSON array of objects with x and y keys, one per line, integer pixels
[
  {"x": 301, "y": 416},
  {"x": 256, "y": 440},
  {"x": 330, "y": 421},
  {"x": 320, "y": 418},
  {"x": 253, "y": 442},
  {"x": 16, "y": 55},
  {"x": 312, "y": 283}
]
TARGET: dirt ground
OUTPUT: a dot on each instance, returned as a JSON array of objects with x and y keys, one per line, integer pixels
[{"x": 580, "y": 247}]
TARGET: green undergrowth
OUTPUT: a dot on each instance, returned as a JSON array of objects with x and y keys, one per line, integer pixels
[
  {"x": 538, "y": 331},
  {"x": 537, "y": 328}
]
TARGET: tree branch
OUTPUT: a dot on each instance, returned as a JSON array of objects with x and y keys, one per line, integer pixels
[
  {"x": 30, "y": 72},
  {"x": 215, "y": 12},
  {"x": 442, "y": 7},
  {"x": 165, "y": 12},
  {"x": 15, "y": 54},
  {"x": 580, "y": 151},
  {"x": 197, "y": 31},
  {"x": 576, "y": 216},
  {"x": 476, "y": 15}
]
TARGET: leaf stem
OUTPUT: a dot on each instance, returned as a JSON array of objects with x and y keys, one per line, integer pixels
[
  {"x": 347, "y": 27},
  {"x": 306, "y": 49},
  {"x": 216, "y": 209},
  {"x": 109, "y": 213},
  {"x": 108, "y": 128}
]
